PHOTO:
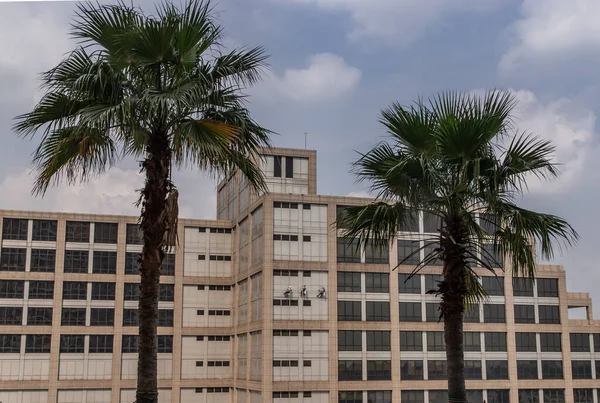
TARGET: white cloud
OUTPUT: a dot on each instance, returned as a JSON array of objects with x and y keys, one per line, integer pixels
[
  {"x": 571, "y": 128},
  {"x": 398, "y": 21},
  {"x": 553, "y": 29},
  {"x": 111, "y": 193},
  {"x": 326, "y": 77}
]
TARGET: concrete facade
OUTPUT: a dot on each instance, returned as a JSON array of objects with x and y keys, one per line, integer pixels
[{"x": 229, "y": 334}]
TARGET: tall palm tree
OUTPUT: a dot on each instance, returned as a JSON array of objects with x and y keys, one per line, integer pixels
[
  {"x": 458, "y": 160},
  {"x": 160, "y": 88}
]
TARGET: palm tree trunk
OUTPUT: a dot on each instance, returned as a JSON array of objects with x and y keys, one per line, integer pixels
[
  {"x": 452, "y": 308},
  {"x": 156, "y": 165}
]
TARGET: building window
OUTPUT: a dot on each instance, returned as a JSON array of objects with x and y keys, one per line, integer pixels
[
  {"x": 289, "y": 167},
  {"x": 378, "y": 311},
  {"x": 130, "y": 317},
  {"x": 280, "y": 363},
  {"x": 37, "y": 343},
  {"x": 44, "y": 230},
  {"x": 550, "y": 342},
  {"x": 409, "y": 284},
  {"x": 134, "y": 235},
  {"x": 167, "y": 292},
  {"x": 354, "y": 396},
  {"x": 130, "y": 343},
  {"x": 168, "y": 265},
  {"x": 377, "y": 396},
  {"x": 72, "y": 343},
  {"x": 102, "y": 343},
  {"x": 524, "y": 314},
  {"x": 411, "y": 370},
  {"x": 104, "y": 262},
  {"x": 410, "y": 312},
  {"x": 581, "y": 369},
  {"x": 527, "y": 369},
  {"x": 494, "y": 313},
  {"x": 472, "y": 341},
  {"x": 78, "y": 231},
  {"x": 348, "y": 251},
  {"x": 436, "y": 370},
  {"x": 552, "y": 369},
  {"x": 131, "y": 292},
  {"x": 491, "y": 257},
  {"x": 349, "y": 340},
  {"x": 11, "y": 315},
  {"x": 377, "y": 282},
  {"x": 103, "y": 291},
  {"x": 13, "y": 259},
  {"x": 39, "y": 316},
  {"x": 496, "y": 369},
  {"x": 105, "y": 232},
  {"x": 471, "y": 314},
  {"x": 378, "y": 341},
  {"x": 580, "y": 342},
  {"x": 349, "y": 370},
  {"x": 165, "y": 317},
  {"x": 583, "y": 395},
  {"x": 73, "y": 317},
  {"x": 498, "y": 396},
  {"x": 379, "y": 370},
  {"x": 377, "y": 254},
  {"x": 411, "y": 341},
  {"x": 409, "y": 252},
  {"x": 349, "y": 310},
  {"x": 554, "y": 395},
  {"x": 495, "y": 341},
  {"x": 102, "y": 317},
  {"x": 432, "y": 282},
  {"x": 597, "y": 342},
  {"x": 42, "y": 260},
  {"x": 10, "y": 343},
  {"x": 522, "y": 287},
  {"x": 432, "y": 312},
  {"x": 529, "y": 396},
  {"x": 547, "y": 287},
  {"x": 431, "y": 223},
  {"x": 493, "y": 285},
  {"x": 412, "y": 396},
  {"x": 41, "y": 289},
  {"x": 441, "y": 396},
  {"x": 435, "y": 341},
  {"x": 76, "y": 261},
  {"x": 549, "y": 314},
  {"x": 473, "y": 369},
  {"x": 525, "y": 342},
  {"x": 14, "y": 229},
  {"x": 75, "y": 290},
  {"x": 132, "y": 264},
  {"x": 12, "y": 289}
]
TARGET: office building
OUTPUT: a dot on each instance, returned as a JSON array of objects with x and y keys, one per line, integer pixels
[{"x": 268, "y": 304}]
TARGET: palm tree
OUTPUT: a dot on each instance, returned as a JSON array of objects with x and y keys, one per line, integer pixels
[
  {"x": 458, "y": 160},
  {"x": 158, "y": 87}
]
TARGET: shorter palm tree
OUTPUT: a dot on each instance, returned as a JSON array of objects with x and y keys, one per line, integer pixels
[{"x": 458, "y": 160}]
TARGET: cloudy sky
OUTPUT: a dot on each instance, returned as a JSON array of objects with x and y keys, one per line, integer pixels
[{"x": 335, "y": 64}]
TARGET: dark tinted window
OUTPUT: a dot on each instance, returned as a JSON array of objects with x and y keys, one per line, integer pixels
[
  {"x": 44, "y": 230},
  {"x": 527, "y": 369},
  {"x": 134, "y": 235},
  {"x": 525, "y": 342},
  {"x": 37, "y": 343},
  {"x": 409, "y": 252},
  {"x": 583, "y": 395},
  {"x": 549, "y": 314},
  {"x": 580, "y": 342},
  {"x": 411, "y": 370},
  {"x": 435, "y": 341},
  {"x": 550, "y": 342},
  {"x": 410, "y": 312},
  {"x": 349, "y": 340},
  {"x": 132, "y": 265},
  {"x": 76, "y": 261},
  {"x": 581, "y": 369},
  {"x": 554, "y": 395},
  {"x": 496, "y": 369},
  {"x": 10, "y": 343},
  {"x": 15, "y": 229},
  {"x": 348, "y": 282},
  {"x": 168, "y": 265},
  {"x": 349, "y": 370},
  {"x": 41, "y": 289},
  {"x": 39, "y": 316},
  {"x": 408, "y": 284},
  {"x": 103, "y": 291},
  {"x": 72, "y": 317},
  {"x": 547, "y": 287},
  {"x": 377, "y": 282},
  {"x": 74, "y": 290},
  {"x": 495, "y": 341},
  {"x": 377, "y": 254},
  {"x": 493, "y": 285},
  {"x": 378, "y": 311},
  {"x": 102, "y": 317},
  {"x": 379, "y": 370},
  {"x": 13, "y": 259},
  {"x": 72, "y": 343},
  {"x": 378, "y": 341},
  {"x": 552, "y": 369},
  {"x": 12, "y": 288},
  {"x": 104, "y": 262},
  {"x": 473, "y": 369},
  {"x": 102, "y": 343},
  {"x": 472, "y": 341},
  {"x": 349, "y": 310},
  {"x": 494, "y": 313},
  {"x": 166, "y": 292},
  {"x": 78, "y": 231},
  {"x": 105, "y": 232},
  {"x": 11, "y": 315},
  {"x": 522, "y": 287},
  {"x": 436, "y": 370},
  {"x": 42, "y": 260},
  {"x": 524, "y": 314},
  {"x": 348, "y": 251},
  {"x": 411, "y": 341}
]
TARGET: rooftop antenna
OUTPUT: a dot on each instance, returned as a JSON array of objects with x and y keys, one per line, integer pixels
[{"x": 305, "y": 135}]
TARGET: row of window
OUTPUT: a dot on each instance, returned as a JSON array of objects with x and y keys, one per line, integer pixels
[
  {"x": 16, "y": 229},
  {"x": 75, "y": 343},
  {"x": 78, "y": 290},
  {"x": 77, "y": 261},
  {"x": 213, "y": 363},
  {"x": 473, "y": 396},
  {"x": 290, "y": 363},
  {"x": 42, "y": 316},
  {"x": 214, "y": 312}
]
